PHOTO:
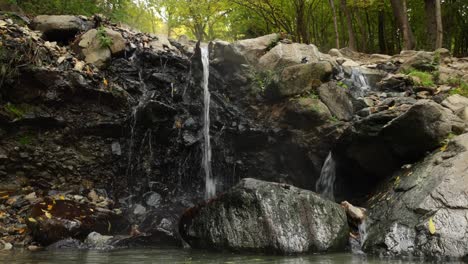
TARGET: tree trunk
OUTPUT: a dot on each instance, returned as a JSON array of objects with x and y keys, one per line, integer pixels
[
  {"x": 335, "y": 24},
  {"x": 382, "y": 43},
  {"x": 351, "y": 37},
  {"x": 434, "y": 23},
  {"x": 401, "y": 16}
]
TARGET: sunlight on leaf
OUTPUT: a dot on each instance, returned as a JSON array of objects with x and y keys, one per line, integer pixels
[{"x": 432, "y": 228}]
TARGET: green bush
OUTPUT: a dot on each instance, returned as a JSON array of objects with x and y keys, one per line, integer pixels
[{"x": 461, "y": 87}]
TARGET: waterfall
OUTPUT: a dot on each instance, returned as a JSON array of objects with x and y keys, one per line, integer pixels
[
  {"x": 362, "y": 228},
  {"x": 359, "y": 80},
  {"x": 325, "y": 183},
  {"x": 210, "y": 184}
]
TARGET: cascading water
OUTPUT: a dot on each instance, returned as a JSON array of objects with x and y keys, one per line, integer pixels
[
  {"x": 210, "y": 184},
  {"x": 359, "y": 78},
  {"x": 326, "y": 182}
]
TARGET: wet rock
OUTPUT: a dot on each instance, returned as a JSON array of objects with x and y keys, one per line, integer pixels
[
  {"x": 266, "y": 217},
  {"x": 299, "y": 79},
  {"x": 95, "y": 240},
  {"x": 337, "y": 100},
  {"x": 54, "y": 220},
  {"x": 153, "y": 199},
  {"x": 422, "y": 211},
  {"x": 68, "y": 243},
  {"x": 307, "y": 113},
  {"x": 284, "y": 55},
  {"x": 116, "y": 149},
  {"x": 59, "y": 28}
]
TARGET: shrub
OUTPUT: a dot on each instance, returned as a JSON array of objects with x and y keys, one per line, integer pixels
[
  {"x": 461, "y": 87},
  {"x": 425, "y": 78},
  {"x": 104, "y": 40}
]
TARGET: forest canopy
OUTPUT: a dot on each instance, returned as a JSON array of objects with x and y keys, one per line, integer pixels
[{"x": 384, "y": 26}]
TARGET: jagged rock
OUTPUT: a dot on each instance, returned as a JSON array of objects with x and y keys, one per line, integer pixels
[
  {"x": 298, "y": 79},
  {"x": 162, "y": 44},
  {"x": 395, "y": 83},
  {"x": 307, "y": 113},
  {"x": 337, "y": 100},
  {"x": 59, "y": 28},
  {"x": 421, "y": 60},
  {"x": 91, "y": 46},
  {"x": 54, "y": 220},
  {"x": 248, "y": 50},
  {"x": 284, "y": 55},
  {"x": 266, "y": 217},
  {"x": 422, "y": 211}
]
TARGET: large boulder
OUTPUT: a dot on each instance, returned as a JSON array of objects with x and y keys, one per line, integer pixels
[
  {"x": 337, "y": 99},
  {"x": 284, "y": 55},
  {"x": 423, "y": 210},
  {"x": 59, "y": 28},
  {"x": 266, "y": 217},
  {"x": 307, "y": 112},
  {"x": 55, "y": 219},
  {"x": 299, "y": 79},
  {"x": 97, "y": 46},
  {"x": 249, "y": 50}
]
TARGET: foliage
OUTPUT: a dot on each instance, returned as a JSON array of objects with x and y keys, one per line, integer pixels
[
  {"x": 26, "y": 140},
  {"x": 261, "y": 79},
  {"x": 461, "y": 87},
  {"x": 104, "y": 40},
  {"x": 424, "y": 78},
  {"x": 342, "y": 84},
  {"x": 273, "y": 43}
]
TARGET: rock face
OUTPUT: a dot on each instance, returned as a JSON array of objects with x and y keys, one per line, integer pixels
[
  {"x": 267, "y": 217},
  {"x": 423, "y": 210},
  {"x": 59, "y": 28},
  {"x": 458, "y": 104},
  {"x": 307, "y": 113},
  {"x": 298, "y": 79}
]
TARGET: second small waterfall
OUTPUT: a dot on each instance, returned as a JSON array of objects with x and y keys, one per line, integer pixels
[
  {"x": 325, "y": 184},
  {"x": 210, "y": 184}
]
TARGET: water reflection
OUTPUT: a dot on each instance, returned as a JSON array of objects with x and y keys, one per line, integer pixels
[{"x": 179, "y": 256}]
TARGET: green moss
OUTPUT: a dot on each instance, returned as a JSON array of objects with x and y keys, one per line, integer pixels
[
  {"x": 26, "y": 140},
  {"x": 436, "y": 60},
  {"x": 425, "y": 78},
  {"x": 261, "y": 79},
  {"x": 104, "y": 40},
  {"x": 14, "y": 110},
  {"x": 342, "y": 84}
]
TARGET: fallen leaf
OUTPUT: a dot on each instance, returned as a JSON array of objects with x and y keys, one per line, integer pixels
[
  {"x": 32, "y": 220},
  {"x": 49, "y": 207},
  {"x": 61, "y": 197},
  {"x": 432, "y": 228},
  {"x": 47, "y": 214},
  {"x": 106, "y": 83}
]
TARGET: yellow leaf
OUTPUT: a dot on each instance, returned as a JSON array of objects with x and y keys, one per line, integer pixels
[
  {"x": 32, "y": 220},
  {"x": 105, "y": 82},
  {"x": 47, "y": 214},
  {"x": 432, "y": 228},
  {"x": 61, "y": 197},
  {"x": 443, "y": 148},
  {"x": 49, "y": 207}
]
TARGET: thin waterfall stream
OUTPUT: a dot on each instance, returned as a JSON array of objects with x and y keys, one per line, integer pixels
[
  {"x": 325, "y": 184},
  {"x": 210, "y": 184}
]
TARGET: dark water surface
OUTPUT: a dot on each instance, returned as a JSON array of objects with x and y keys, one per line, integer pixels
[{"x": 180, "y": 256}]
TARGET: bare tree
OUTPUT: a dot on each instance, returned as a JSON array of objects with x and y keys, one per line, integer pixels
[{"x": 335, "y": 24}]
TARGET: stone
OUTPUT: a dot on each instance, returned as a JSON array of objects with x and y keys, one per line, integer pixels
[
  {"x": 139, "y": 209},
  {"x": 421, "y": 60},
  {"x": 266, "y": 217},
  {"x": 299, "y": 79},
  {"x": 380, "y": 57},
  {"x": 307, "y": 113},
  {"x": 337, "y": 99},
  {"x": 61, "y": 28},
  {"x": 95, "y": 240},
  {"x": 457, "y": 104},
  {"x": 54, "y": 220},
  {"x": 247, "y": 51},
  {"x": 428, "y": 194},
  {"x": 335, "y": 53},
  {"x": 162, "y": 44},
  {"x": 116, "y": 149},
  {"x": 284, "y": 55},
  {"x": 90, "y": 46},
  {"x": 429, "y": 123},
  {"x": 152, "y": 199},
  {"x": 349, "y": 63}
]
